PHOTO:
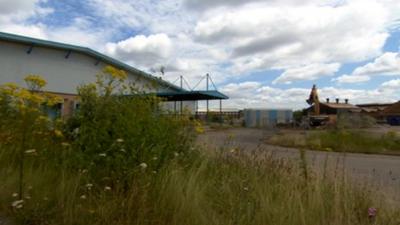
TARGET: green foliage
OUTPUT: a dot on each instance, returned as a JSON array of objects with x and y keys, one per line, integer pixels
[
  {"x": 342, "y": 141},
  {"x": 298, "y": 115},
  {"x": 352, "y": 121},
  {"x": 122, "y": 160}
]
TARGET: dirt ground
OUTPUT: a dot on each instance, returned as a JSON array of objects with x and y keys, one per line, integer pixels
[{"x": 379, "y": 171}]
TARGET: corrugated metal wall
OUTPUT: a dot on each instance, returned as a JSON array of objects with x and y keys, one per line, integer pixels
[{"x": 266, "y": 117}]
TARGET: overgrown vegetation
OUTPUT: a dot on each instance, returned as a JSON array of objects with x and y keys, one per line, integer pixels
[
  {"x": 122, "y": 160},
  {"x": 341, "y": 140}
]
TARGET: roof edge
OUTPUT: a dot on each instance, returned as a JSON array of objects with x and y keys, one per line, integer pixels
[{"x": 84, "y": 50}]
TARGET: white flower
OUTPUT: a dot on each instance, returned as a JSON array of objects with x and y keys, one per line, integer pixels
[
  {"x": 246, "y": 188},
  {"x": 89, "y": 186},
  {"x": 17, "y": 204},
  {"x": 176, "y": 154},
  {"x": 27, "y": 197},
  {"x": 30, "y": 151},
  {"x": 143, "y": 165},
  {"x": 102, "y": 154},
  {"x": 155, "y": 158},
  {"x": 122, "y": 150},
  {"x": 15, "y": 195},
  {"x": 83, "y": 197},
  {"x": 107, "y": 188},
  {"x": 65, "y": 144},
  {"x": 120, "y": 140}
]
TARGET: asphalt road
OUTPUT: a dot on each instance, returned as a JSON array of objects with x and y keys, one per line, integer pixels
[{"x": 381, "y": 172}]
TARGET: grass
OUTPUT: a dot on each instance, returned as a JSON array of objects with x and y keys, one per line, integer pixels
[
  {"x": 226, "y": 188},
  {"x": 356, "y": 141},
  {"x": 125, "y": 161}
]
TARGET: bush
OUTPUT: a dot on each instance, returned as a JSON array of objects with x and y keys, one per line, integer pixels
[{"x": 115, "y": 134}]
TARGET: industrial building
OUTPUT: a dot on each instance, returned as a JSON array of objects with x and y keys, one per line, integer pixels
[
  {"x": 267, "y": 118},
  {"x": 65, "y": 67}
]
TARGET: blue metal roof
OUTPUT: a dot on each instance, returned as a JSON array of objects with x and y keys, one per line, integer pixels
[{"x": 84, "y": 50}]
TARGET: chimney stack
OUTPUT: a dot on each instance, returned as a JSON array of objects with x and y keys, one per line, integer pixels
[
  {"x": 327, "y": 100},
  {"x": 337, "y": 101},
  {"x": 347, "y": 101}
]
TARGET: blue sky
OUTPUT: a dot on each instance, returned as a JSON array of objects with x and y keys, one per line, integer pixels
[{"x": 262, "y": 53}]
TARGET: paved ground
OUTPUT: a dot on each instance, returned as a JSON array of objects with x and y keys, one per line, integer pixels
[{"x": 380, "y": 171}]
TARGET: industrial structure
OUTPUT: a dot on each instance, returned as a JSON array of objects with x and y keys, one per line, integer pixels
[
  {"x": 65, "y": 67},
  {"x": 267, "y": 118},
  {"x": 322, "y": 113}
]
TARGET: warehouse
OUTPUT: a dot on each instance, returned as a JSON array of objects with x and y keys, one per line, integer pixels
[
  {"x": 267, "y": 118},
  {"x": 65, "y": 67}
]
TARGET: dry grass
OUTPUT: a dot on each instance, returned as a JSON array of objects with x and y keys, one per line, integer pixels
[{"x": 356, "y": 141}]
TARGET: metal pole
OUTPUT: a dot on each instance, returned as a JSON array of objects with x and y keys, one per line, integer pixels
[
  {"x": 207, "y": 99},
  {"x": 220, "y": 111},
  {"x": 181, "y": 87}
]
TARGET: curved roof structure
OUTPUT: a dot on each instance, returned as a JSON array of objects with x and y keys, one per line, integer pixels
[{"x": 33, "y": 42}]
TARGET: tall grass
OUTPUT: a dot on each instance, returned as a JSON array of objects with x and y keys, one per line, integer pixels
[
  {"x": 229, "y": 188},
  {"x": 124, "y": 161}
]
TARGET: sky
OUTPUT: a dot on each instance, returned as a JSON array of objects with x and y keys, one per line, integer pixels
[{"x": 261, "y": 53}]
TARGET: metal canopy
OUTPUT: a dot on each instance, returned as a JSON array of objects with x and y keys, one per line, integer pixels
[{"x": 192, "y": 95}]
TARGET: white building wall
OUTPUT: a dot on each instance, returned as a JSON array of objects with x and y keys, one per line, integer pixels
[{"x": 63, "y": 75}]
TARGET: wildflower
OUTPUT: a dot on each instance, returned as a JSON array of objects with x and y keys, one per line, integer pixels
[
  {"x": 122, "y": 150},
  {"x": 89, "y": 186},
  {"x": 155, "y": 158},
  {"x": 17, "y": 204},
  {"x": 176, "y": 154},
  {"x": 232, "y": 150},
  {"x": 84, "y": 171},
  {"x": 83, "y": 197},
  {"x": 35, "y": 82},
  {"x": 107, "y": 188},
  {"x": 246, "y": 188},
  {"x": 58, "y": 133},
  {"x": 372, "y": 212},
  {"x": 45, "y": 199},
  {"x": 30, "y": 151},
  {"x": 120, "y": 140},
  {"x": 102, "y": 154},
  {"x": 15, "y": 195},
  {"x": 28, "y": 197},
  {"x": 143, "y": 165},
  {"x": 30, "y": 187},
  {"x": 65, "y": 144}
]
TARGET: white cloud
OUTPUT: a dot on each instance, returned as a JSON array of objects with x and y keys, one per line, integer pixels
[
  {"x": 269, "y": 97},
  {"x": 387, "y": 64},
  {"x": 142, "y": 50},
  {"x": 201, "y": 5},
  {"x": 308, "y": 72},
  {"x": 306, "y": 39},
  {"x": 264, "y": 37},
  {"x": 351, "y": 79},
  {"x": 392, "y": 84}
]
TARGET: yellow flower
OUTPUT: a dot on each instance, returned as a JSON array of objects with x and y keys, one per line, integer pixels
[
  {"x": 115, "y": 73},
  {"x": 35, "y": 82},
  {"x": 198, "y": 127},
  {"x": 58, "y": 133}
]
